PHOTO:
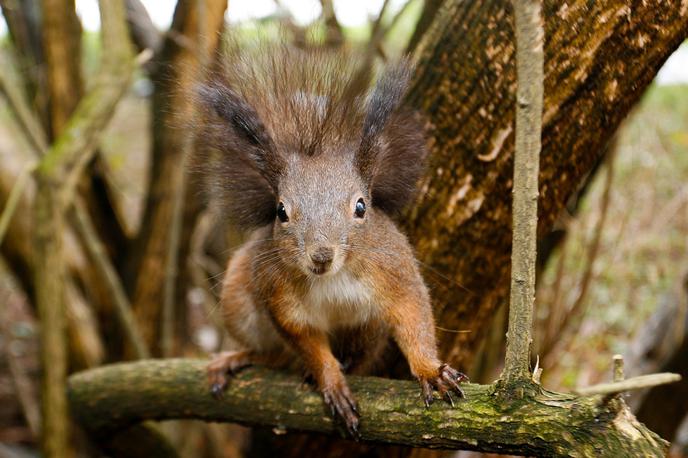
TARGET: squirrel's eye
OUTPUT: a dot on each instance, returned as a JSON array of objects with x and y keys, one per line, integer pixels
[
  {"x": 360, "y": 209},
  {"x": 282, "y": 213}
]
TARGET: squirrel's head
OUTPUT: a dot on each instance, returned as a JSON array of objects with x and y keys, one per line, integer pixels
[{"x": 305, "y": 146}]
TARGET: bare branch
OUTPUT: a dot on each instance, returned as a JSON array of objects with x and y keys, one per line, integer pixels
[
  {"x": 529, "y": 61},
  {"x": 16, "y": 98},
  {"x": 633, "y": 383},
  {"x": 102, "y": 263},
  {"x": 15, "y": 196}
]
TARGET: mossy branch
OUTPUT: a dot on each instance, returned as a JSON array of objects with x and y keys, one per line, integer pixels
[{"x": 113, "y": 398}]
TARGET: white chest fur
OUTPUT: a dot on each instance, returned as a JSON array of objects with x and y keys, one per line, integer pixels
[{"x": 336, "y": 301}]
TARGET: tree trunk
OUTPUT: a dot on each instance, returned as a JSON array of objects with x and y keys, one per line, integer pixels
[{"x": 465, "y": 84}]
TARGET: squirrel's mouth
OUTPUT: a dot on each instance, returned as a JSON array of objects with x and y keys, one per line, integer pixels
[{"x": 319, "y": 270}]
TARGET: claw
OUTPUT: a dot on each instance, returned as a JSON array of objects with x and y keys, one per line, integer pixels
[
  {"x": 447, "y": 397},
  {"x": 353, "y": 431},
  {"x": 217, "y": 390},
  {"x": 426, "y": 392},
  {"x": 343, "y": 408},
  {"x": 222, "y": 365},
  {"x": 447, "y": 380},
  {"x": 354, "y": 407}
]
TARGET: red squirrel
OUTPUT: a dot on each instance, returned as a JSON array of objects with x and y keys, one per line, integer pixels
[{"x": 314, "y": 164}]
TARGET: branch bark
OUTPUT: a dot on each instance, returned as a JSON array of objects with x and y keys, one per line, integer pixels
[
  {"x": 112, "y": 398},
  {"x": 529, "y": 61}
]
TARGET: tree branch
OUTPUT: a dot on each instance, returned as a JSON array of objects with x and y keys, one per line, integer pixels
[
  {"x": 108, "y": 399},
  {"x": 529, "y": 62},
  {"x": 634, "y": 383},
  {"x": 106, "y": 270}
]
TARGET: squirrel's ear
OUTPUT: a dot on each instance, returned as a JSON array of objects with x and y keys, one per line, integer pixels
[
  {"x": 392, "y": 153},
  {"x": 246, "y": 134},
  {"x": 237, "y": 156}
]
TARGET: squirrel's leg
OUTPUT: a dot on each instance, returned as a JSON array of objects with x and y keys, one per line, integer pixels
[
  {"x": 314, "y": 347},
  {"x": 223, "y": 364},
  {"x": 413, "y": 329}
]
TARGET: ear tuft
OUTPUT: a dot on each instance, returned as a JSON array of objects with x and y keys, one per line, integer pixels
[
  {"x": 237, "y": 156},
  {"x": 386, "y": 97},
  {"x": 231, "y": 107},
  {"x": 391, "y": 157}
]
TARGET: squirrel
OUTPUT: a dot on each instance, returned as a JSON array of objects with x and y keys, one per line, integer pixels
[{"x": 314, "y": 165}]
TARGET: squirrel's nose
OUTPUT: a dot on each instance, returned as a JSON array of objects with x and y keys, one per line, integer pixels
[{"x": 322, "y": 257}]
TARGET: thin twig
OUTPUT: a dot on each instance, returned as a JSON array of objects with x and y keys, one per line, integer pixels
[
  {"x": 529, "y": 62},
  {"x": 618, "y": 372},
  {"x": 27, "y": 121},
  {"x": 633, "y": 383},
  {"x": 15, "y": 196},
  {"x": 395, "y": 19},
  {"x": 594, "y": 246},
  {"x": 555, "y": 302},
  {"x": 102, "y": 263},
  {"x": 377, "y": 32}
]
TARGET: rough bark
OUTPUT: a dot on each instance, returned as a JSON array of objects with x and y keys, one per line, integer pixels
[
  {"x": 465, "y": 84},
  {"x": 178, "y": 68},
  {"x": 108, "y": 399},
  {"x": 529, "y": 59}
]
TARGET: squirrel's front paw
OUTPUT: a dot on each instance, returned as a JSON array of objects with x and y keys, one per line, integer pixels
[
  {"x": 343, "y": 405},
  {"x": 223, "y": 364},
  {"x": 446, "y": 381}
]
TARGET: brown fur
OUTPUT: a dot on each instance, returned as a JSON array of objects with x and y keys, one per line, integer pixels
[{"x": 297, "y": 129}]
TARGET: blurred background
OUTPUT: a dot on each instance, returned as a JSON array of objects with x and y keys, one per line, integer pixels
[{"x": 614, "y": 275}]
